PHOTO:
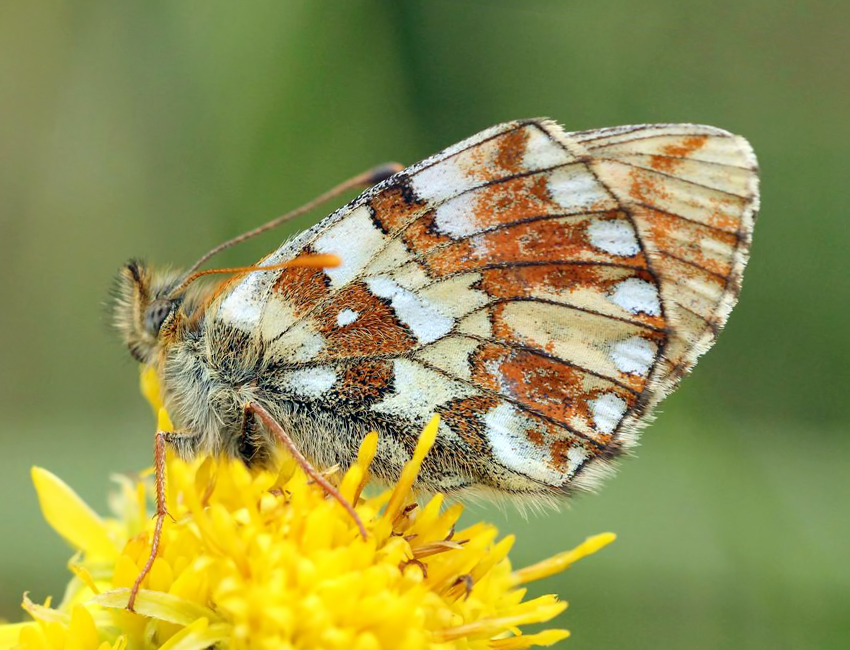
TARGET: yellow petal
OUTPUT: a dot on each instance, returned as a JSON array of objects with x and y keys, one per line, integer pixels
[
  {"x": 365, "y": 456},
  {"x": 350, "y": 486},
  {"x": 563, "y": 561},
  {"x": 149, "y": 383},
  {"x": 71, "y": 517},
  {"x": 82, "y": 633},
  {"x": 368, "y": 449},
  {"x": 153, "y": 604},
  {"x": 539, "y": 610},
  {"x": 545, "y": 638},
  {"x": 83, "y": 574},
  {"x": 401, "y": 490},
  {"x": 33, "y": 637},
  {"x": 45, "y": 613},
  {"x": 197, "y": 636},
  {"x": 9, "y": 634},
  {"x": 163, "y": 420}
]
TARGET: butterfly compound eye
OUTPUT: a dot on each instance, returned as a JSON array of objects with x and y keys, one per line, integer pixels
[{"x": 156, "y": 314}]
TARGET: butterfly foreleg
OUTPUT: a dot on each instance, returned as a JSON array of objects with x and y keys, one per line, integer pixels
[
  {"x": 161, "y": 439},
  {"x": 274, "y": 426}
]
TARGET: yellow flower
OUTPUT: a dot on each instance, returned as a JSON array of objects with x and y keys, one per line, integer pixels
[{"x": 266, "y": 560}]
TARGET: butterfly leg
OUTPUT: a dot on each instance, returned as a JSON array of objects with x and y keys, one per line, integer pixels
[
  {"x": 273, "y": 425},
  {"x": 162, "y": 437}
]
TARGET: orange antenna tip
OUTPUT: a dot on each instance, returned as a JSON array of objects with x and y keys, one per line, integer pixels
[{"x": 321, "y": 261}]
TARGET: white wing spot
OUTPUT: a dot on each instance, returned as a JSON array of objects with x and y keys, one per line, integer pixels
[
  {"x": 455, "y": 217},
  {"x": 441, "y": 181},
  {"x": 506, "y": 433},
  {"x": 634, "y": 356},
  {"x": 541, "y": 152},
  {"x": 312, "y": 382},
  {"x": 419, "y": 314},
  {"x": 636, "y": 295},
  {"x": 575, "y": 189},
  {"x": 607, "y": 411},
  {"x": 576, "y": 457},
  {"x": 614, "y": 236},
  {"x": 355, "y": 239},
  {"x": 243, "y": 308},
  {"x": 346, "y": 317}
]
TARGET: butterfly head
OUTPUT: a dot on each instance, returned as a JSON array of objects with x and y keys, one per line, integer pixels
[{"x": 146, "y": 308}]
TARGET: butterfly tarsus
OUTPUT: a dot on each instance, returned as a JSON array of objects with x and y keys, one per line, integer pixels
[
  {"x": 161, "y": 514},
  {"x": 273, "y": 425}
]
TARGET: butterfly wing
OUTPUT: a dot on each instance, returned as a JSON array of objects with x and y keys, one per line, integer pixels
[{"x": 541, "y": 290}]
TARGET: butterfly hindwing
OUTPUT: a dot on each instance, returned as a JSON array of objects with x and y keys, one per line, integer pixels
[
  {"x": 541, "y": 290},
  {"x": 693, "y": 193}
]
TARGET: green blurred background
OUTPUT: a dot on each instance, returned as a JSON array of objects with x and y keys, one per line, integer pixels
[{"x": 159, "y": 128}]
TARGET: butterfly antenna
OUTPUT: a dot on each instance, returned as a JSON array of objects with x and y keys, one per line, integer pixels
[
  {"x": 320, "y": 261},
  {"x": 371, "y": 177}
]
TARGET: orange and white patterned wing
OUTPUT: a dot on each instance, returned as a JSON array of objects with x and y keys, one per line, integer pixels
[{"x": 541, "y": 290}]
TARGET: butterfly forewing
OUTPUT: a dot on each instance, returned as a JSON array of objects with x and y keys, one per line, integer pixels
[{"x": 541, "y": 290}]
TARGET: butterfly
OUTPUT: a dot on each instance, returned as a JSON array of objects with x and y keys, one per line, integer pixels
[{"x": 540, "y": 290}]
